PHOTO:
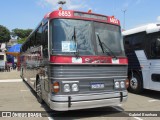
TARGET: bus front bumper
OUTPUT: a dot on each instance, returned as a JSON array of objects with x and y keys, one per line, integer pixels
[{"x": 89, "y": 103}]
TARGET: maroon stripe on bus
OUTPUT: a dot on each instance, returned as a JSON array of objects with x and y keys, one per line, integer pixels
[{"x": 88, "y": 60}]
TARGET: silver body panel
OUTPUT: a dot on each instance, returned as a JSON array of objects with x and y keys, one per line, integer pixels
[
  {"x": 83, "y": 75},
  {"x": 88, "y": 101}
]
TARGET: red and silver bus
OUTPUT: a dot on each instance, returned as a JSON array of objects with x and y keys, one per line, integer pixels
[{"x": 76, "y": 60}]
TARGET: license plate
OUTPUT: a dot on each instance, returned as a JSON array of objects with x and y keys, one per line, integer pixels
[{"x": 97, "y": 85}]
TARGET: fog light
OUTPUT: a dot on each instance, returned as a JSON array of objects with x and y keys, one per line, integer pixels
[
  {"x": 116, "y": 84},
  {"x": 67, "y": 88},
  {"x": 75, "y": 88},
  {"x": 122, "y": 84}
]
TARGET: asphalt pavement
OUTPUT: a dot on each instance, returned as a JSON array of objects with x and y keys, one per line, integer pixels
[{"x": 13, "y": 74}]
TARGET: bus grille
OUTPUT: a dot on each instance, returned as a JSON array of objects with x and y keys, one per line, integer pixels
[{"x": 86, "y": 75}]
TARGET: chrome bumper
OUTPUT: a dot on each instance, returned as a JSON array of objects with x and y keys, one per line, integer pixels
[{"x": 87, "y": 101}]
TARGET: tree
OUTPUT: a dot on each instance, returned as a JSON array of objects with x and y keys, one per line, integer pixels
[
  {"x": 4, "y": 34},
  {"x": 21, "y": 41},
  {"x": 21, "y": 33}
]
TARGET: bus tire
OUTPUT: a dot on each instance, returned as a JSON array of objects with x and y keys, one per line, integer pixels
[
  {"x": 39, "y": 91},
  {"x": 135, "y": 84}
]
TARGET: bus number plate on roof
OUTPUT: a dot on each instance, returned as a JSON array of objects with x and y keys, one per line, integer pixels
[
  {"x": 97, "y": 86},
  {"x": 113, "y": 20},
  {"x": 64, "y": 13}
]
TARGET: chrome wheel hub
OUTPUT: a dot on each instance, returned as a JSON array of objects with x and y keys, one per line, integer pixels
[{"x": 134, "y": 83}]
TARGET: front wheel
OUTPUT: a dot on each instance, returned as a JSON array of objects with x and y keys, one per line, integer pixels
[
  {"x": 39, "y": 92},
  {"x": 135, "y": 84}
]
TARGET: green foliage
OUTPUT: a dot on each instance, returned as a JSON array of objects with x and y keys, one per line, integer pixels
[
  {"x": 21, "y": 41},
  {"x": 4, "y": 34},
  {"x": 21, "y": 33}
]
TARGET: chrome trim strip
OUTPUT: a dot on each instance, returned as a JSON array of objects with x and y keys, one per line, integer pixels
[
  {"x": 89, "y": 97},
  {"x": 48, "y": 40},
  {"x": 86, "y": 64},
  {"x": 70, "y": 82},
  {"x": 87, "y": 77},
  {"x": 63, "y": 106}
]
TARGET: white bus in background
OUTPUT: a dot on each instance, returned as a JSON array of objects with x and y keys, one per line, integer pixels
[
  {"x": 2, "y": 60},
  {"x": 142, "y": 47}
]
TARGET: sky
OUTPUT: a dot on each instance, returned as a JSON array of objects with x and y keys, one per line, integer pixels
[{"x": 26, "y": 14}]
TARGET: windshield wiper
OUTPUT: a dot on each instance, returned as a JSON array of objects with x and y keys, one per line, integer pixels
[
  {"x": 104, "y": 47},
  {"x": 100, "y": 43},
  {"x": 75, "y": 40}
]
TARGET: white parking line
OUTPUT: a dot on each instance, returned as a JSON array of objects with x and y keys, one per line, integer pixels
[
  {"x": 153, "y": 100},
  {"x": 24, "y": 90},
  {"x": 50, "y": 118},
  {"x": 10, "y": 80},
  {"x": 120, "y": 110},
  {"x": 138, "y": 118}
]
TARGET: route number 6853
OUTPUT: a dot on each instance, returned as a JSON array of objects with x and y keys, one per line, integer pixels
[{"x": 64, "y": 13}]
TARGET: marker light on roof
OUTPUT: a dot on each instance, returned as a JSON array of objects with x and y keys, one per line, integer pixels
[
  {"x": 90, "y": 11},
  {"x": 60, "y": 8}
]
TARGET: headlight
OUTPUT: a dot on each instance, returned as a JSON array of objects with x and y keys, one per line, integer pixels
[
  {"x": 116, "y": 84},
  {"x": 122, "y": 84},
  {"x": 67, "y": 88},
  {"x": 75, "y": 88}
]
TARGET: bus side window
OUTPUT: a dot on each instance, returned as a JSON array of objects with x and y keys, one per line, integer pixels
[
  {"x": 155, "y": 47},
  {"x": 45, "y": 41},
  {"x": 38, "y": 36},
  {"x": 128, "y": 43}
]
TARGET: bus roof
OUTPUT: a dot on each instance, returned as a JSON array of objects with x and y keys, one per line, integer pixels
[
  {"x": 70, "y": 14},
  {"x": 149, "y": 28}
]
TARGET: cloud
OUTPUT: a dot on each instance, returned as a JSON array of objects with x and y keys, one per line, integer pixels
[
  {"x": 70, "y": 4},
  {"x": 158, "y": 18}
]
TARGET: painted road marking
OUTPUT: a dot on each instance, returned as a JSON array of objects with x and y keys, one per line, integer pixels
[
  {"x": 50, "y": 118},
  {"x": 10, "y": 80},
  {"x": 24, "y": 90},
  {"x": 121, "y": 110},
  {"x": 138, "y": 118},
  {"x": 153, "y": 100}
]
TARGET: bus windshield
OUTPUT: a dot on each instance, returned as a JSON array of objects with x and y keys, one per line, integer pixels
[
  {"x": 71, "y": 36},
  {"x": 111, "y": 36}
]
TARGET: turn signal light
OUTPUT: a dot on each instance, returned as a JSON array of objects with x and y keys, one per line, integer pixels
[
  {"x": 127, "y": 83},
  {"x": 56, "y": 87}
]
